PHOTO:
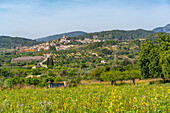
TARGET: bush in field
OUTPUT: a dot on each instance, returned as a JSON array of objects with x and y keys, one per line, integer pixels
[
  {"x": 120, "y": 73},
  {"x": 2, "y": 80},
  {"x": 51, "y": 73},
  {"x": 36, "y": 72},
  {"x": 132, "y": 74},
  {"x": 75, "y": 81},
  {"x": 49, "y": 79},
  {"x": 35, "y": 81},
  {"x": 28, "y": 81},
  {"x": 6, "y": 73},
  {"x": 15, "y": 81},
  {"x": 57, "y": 79},
  {"x": 63, "y": 72},
  {"x": 112, "y": 76},
  {"x": 96, "y": 73},
  {"x": 126, "y": 62}
]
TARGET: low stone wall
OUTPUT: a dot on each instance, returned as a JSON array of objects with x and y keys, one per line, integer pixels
[
  {"x": 56, "y": 85},
  {"x": 27, "y": 59}
]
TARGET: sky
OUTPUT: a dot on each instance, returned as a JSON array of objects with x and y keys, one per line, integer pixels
[{"x": 39, "y": 18}]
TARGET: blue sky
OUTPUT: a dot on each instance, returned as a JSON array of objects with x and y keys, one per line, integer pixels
[{"x": 39, "y": 18}]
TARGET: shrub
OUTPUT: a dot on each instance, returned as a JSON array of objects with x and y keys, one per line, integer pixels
[{"x": 57, "y": 79}]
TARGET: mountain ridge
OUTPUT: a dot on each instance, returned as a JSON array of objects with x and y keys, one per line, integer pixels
[
  {"x": 165, "y": 29},
  {"x": 109, "y": 34},
  {"x": 57, "y": 36},
  {"x": 120, "y": 34}
]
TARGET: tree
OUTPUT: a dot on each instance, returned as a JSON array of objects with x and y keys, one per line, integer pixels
[
  {"x": 5, "y": 73},
  {"x": 154, "y": 65},
  {"x": 165, "y": 62},
  {"x": 126, "y": 62},
  {"x": 154, "y": 58},
  {"x": 15, "y": 80},
  {"x": 52, "y": 48},
  {"x": 164, "y": 41},
  {"x": 22, "y": 80},
  {"x": 136, "y": 42},
  {"x": 111, "y": 76},
  {"x": 10, "y": 82},
  {"x": 75, "y": 81},
  {"x": 83, "y": 66},
  {"x": 57, "y": 79},
  {"x": 73, "y": 38},
  {"x": 144, "y": 59},
  {"x": 133, "y": 74},
  {"x": 29, "y": 81},
  {"x": 35, "y": 81},
  {"x": 50, "y": 62},
  {"x": 106, "y": 68},
  {"x": 50, "y": 73},
  {"x": 21, "y": 73},
  {"x": 96, "y": 73},
  {"x": 2, "y": 79},
  {"x": 36, "y": 72},
  {"x": 49, "y": 79}
]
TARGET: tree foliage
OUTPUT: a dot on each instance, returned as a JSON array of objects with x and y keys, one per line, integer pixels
[{"x": 154, "y": 58}]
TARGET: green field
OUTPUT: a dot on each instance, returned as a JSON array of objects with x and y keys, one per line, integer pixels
[{"x": 89, "y": 99}]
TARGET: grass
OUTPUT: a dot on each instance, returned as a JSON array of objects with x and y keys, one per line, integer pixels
[{"x": 92, "y": 98}]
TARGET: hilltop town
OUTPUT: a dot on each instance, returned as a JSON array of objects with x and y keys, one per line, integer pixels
[{"x": 59, "y": 44}]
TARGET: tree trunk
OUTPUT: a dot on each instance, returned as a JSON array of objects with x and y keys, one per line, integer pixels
[
  {"x": 101, "y": 80},
  {"x": 133, "y": 81},
  {"x": 111, "y": 82},
  {"x": 121, "y": 81},
  {"x": 163, "y": 77},
  {"x": 1, "y": 88},
  {"x": 115, "y": 83}
]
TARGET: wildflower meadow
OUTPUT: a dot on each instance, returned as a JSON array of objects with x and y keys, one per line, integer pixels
[{"x": 88, "y": 99}]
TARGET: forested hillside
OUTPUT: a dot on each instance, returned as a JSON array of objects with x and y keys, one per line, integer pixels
[
  {"x": 13, "y": 42},
  {"x": 113, "y": 34},
  {"x": 120, "y": 34}
]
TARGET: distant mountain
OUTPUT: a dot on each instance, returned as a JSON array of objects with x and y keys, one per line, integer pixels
[
  {"x": 165, "y": 29},
  {"x": 120, "y": 34},
  {"x": 55, "y": 37},
  {"x": 12, "y": 42}
]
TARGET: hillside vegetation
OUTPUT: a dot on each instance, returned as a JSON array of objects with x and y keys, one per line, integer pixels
[
  {"x": 107, "y": 60},
  {"x": 13, "y": 42},
  {"x": 120, "y": 34}
]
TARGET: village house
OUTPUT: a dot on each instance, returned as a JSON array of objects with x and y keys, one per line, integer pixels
[
  {"x": 64, "y": 39},
  {"x": 95, "y": 36},
  {"x": 31, "y": 76},
  {"x": 103, "y": 61},
  {"x": 97, "y": 40}
]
